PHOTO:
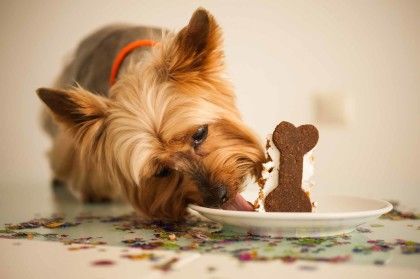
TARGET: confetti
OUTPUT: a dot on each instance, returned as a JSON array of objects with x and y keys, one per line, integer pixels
[
  {"x": 308, "y": 267},
  {"x": 20, "y": 235},
  {"x": 103, "y": 263},
  {"x": 379, "y": 262},
  {"x": 55, "y": 225},
  {"x": 395, "y": 214},
  {"x": 363, "y": 230},
  {"x": 408, "y": 247},
  {"x": 211, "y": 269},
  {"x": 376, "y": 225},
  {"x": 247, "y": 255},
  {"x": 336, "y": 259},
  {"x": 53, "y": 222},
  {"x": 203, "y": 237},
  {"x": 82, "y": 247},
  {"x": 166, "y": 266},
  {"x": 288, "y": 259},
  {"x": 83, "y": 240},
  {"x": 141, "y": 256}
]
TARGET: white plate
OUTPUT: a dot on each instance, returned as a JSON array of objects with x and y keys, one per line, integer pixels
[{"x": 334, "y": 215}]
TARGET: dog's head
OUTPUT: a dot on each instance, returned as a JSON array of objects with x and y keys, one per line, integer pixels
[{"x": 169, "y": 133}]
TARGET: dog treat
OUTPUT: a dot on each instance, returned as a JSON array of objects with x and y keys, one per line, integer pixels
[
  {"x": 270, "y": 172},
  {"x": 289, "y": 166},
  {"x": 269, "y": 175}
]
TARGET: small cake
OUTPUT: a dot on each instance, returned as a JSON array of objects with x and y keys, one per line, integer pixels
[{"x": 286, "y": 178}]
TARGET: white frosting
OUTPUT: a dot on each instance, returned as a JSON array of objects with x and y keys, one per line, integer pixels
[{"x": 270, "y": 171}]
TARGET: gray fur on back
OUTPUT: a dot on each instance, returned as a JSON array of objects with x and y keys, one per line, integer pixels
[{"x": 91, "y": 64}]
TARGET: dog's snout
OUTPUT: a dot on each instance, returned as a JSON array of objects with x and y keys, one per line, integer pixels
[
  {"x": 222, "y": 193},
  {"x": 216, "y": 195}
]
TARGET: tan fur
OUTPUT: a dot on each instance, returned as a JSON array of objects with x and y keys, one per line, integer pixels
[{"x": 111, "y": 147}]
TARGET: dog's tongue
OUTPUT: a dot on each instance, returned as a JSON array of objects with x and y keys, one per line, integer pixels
[{"x": 238, "y": 203}]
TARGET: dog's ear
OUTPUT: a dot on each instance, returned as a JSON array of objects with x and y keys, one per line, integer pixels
[
  {"x": 76, "y": 107},
  {"x": 197, "y": 47}
]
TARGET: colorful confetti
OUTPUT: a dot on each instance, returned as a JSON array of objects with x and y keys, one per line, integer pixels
[
  {"x": 81, "y": 247},
  {"x": 141, "y": 256},
  {"x": 395, "y": 214},
  {"x": 408, "y": 247},
  {"x": 83, "y": 240},
  {"x": 201, "y": 236},
  {"x": 53, "y": 222}
]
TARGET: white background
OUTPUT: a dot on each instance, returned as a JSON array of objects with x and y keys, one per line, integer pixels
[{"x": 280, "y": 55}]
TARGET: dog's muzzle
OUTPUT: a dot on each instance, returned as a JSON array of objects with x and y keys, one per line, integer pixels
[{"x": 215, "y": 196}]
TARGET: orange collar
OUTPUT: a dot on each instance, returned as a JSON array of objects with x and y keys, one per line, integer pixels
[{"x": 122, "y": 54}]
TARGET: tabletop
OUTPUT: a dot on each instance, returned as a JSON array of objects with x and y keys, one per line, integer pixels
[{"x": 46, "y": 233}]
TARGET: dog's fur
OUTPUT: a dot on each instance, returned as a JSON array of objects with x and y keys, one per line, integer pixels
[{"x": 136, "y": 138}]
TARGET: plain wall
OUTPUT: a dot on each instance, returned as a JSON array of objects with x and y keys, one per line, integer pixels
[{"x": 280, "y": 55}]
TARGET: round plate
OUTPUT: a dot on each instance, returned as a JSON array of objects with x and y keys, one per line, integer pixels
[{"x": 334, "y": 215}]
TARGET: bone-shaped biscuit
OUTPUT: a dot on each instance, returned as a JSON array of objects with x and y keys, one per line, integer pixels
[{"x": 293, "y": 143}]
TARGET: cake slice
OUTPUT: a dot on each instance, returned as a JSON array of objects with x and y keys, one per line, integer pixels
[{"x": 286, "y": 178}]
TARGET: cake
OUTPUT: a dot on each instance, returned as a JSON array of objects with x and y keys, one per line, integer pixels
[{"x": 286, "y": 178}]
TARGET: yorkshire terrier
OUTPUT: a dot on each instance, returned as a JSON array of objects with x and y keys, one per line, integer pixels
[{"x": 166, "y": 134}]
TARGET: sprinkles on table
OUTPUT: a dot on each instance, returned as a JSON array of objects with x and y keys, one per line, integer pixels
[
  {"x": 396, "y": 214},
  {"x": 103, "y": 263},
  {"x": 52, "y": 223},
  {"x": 201, "y": 236}
]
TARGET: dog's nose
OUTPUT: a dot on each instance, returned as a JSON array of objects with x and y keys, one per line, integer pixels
[{"x": 222, "y": 193}]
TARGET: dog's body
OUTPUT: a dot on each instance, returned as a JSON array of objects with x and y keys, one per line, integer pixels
[
  {"x": 166, "y": 134},
  {"x": 89, "y": 68}
]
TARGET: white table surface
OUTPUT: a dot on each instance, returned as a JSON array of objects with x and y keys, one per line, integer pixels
[{"x": 33, "y": 258}]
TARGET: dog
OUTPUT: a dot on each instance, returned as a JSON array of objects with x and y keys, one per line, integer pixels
[{"x": 166, "y": 134}]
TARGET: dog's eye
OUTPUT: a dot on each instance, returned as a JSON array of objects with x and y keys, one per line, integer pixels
[
  {"x": 200, "y": 135},
  {"x": 163, "y": 172}
]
